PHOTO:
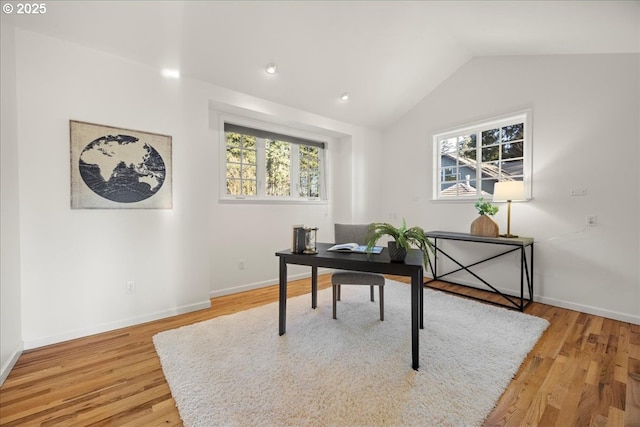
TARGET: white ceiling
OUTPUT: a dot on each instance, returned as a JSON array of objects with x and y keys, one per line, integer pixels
[{"x": 388, "y": 55}]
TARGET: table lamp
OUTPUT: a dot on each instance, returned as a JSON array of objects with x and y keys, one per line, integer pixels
[{"x": 509, "y": 191}]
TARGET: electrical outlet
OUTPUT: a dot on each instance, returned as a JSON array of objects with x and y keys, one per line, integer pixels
[
  {"x": 578, "y": 191},
  {"x": 592, "y": 220},
  {"x": 241, "y": 264},
  {"x": 130, "y": 287}
]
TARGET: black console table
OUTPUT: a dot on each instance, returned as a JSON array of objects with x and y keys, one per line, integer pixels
[{"x": 510, "y": 245}]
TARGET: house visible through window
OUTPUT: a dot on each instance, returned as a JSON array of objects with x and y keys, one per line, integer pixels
[
  {"x": 471, "y": 159},
  {"x": 268, "y": 165}
]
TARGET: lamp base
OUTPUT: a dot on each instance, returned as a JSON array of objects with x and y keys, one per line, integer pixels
[{"x": 509, "y": 236}]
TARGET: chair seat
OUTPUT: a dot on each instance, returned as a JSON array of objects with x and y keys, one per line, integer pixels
[{"x": 345, "y": 277}]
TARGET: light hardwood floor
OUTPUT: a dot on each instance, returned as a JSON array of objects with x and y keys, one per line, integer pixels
[{"x": 584, "y": 371}]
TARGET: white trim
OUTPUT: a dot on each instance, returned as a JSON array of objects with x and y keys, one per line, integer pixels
[
  {"x": 106, "y": 327},
  {"x": 273, "y": 200},
  {"x": 9, "y": 364},
  {"x": 262, "y": 284},
  {"x": 476, "y": 127},
  {"x": 587, "y": 309}
]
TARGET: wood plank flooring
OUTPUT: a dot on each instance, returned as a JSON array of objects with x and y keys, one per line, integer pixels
[{"x": 585, "y": 371}]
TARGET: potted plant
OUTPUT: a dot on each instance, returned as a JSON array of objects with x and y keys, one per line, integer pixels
[
  {"x": 485, "y": 208},
  {"x": 403, "y": 239},
  {"x": 484, "y": 225}
]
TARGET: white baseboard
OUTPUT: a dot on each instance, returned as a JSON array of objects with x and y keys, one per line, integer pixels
[
  {"x": 262, "y": 284},
  {"x": 623, "y": 317},
  {"x": 9, "y": 364},
  {"x": 80, "y": 333}
]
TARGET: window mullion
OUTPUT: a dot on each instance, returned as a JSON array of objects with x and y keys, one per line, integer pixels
[
  {"x": 295, "y": 171},
  {"x": 261, "y": 173},
  {"x": 478, "y": 133}
]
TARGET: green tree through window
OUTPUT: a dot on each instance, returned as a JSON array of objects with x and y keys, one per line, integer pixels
[
  {"x": 309, "y": 171},
  {"x": 263, "y": 164},
  {"x": 241, "y": 164},
  {"x": 278, "y": 168}
]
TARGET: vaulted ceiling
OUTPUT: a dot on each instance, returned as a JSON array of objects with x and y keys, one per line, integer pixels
[{"x": 387, "y": 55}]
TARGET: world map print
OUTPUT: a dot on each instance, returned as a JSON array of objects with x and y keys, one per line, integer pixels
[{"x": 122, "y": 168}]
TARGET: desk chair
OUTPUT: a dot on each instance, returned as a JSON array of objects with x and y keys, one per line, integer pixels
[{"x": 355, "y": 233}]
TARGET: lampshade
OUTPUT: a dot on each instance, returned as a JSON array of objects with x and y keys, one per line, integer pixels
[{"x": 508, "y": 190}]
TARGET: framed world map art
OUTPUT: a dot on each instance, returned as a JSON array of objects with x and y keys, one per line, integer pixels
[{"x": 114, "y": 168}]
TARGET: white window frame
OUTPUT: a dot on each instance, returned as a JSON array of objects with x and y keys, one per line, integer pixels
[
  {"x": 477, "y": 128},
  {"x": 261, "y": 196}
]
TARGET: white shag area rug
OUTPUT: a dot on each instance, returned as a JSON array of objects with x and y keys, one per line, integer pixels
[{"x": 236, "y": 370}]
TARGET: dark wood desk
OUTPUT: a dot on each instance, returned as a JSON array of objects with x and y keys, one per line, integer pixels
[{"x": 412, "y": 267}]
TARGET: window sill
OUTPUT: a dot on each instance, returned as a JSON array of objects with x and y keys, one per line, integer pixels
[
  {"x": 270, "y": 201},
  {"x": 475, "y": 199}
]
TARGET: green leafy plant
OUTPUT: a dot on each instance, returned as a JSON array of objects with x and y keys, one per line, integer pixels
[
  {"x": 485, "y": 208},
  {"x": 403, "y": 236}
]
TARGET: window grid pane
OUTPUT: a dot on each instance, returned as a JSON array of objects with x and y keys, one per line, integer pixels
[
  {"x": 506, "y": 144},
  {"x": 278, "y": 168},
  {"x": 309, "y": 171},
  {"x": 458, "y": 165},
  {"x": 241, "y": 165}
]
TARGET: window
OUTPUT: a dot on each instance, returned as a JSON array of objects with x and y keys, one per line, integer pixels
[
  {"x": 472, "y": 158},
  {"x": 261, "y": 164}
]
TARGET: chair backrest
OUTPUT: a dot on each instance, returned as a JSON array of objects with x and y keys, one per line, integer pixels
[{"x": 351, "y": 233}]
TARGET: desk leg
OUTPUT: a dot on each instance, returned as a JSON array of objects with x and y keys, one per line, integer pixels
[
  {"x": 435, "y": 259},
  {"x": 523, "y": 262},
  {"x": 314, "y": 287},
  {"x": 283, "y": 296},
  {"x": 416, "y": 285},
  {"x": 421, "y": 299},
  {"x": 531, "y": 282}
]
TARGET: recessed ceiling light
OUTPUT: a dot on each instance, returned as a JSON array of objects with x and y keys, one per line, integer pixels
[
  {"x": 271, "y": 68},
  {"x": 345, "y": 97},
  {"x": 170, "y": 73}
]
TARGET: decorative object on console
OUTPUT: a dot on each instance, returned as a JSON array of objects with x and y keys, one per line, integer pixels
[
  {"x": 310, "y": 238},
  {"x": 484, "y": 225},
  {"x": 299, "y": 239},
  {"x": 403, "y": 238},
  {"x": 509, "y": 191}
]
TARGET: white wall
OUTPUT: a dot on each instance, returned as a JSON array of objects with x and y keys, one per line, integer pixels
[
  {"x": 75, "y": 263},
  {"x": 11, "y": 344},
  {"x": 252, "y": 233},
  {"x": 585, "y": 134}
]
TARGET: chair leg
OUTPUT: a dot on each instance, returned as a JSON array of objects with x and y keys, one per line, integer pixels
[
  {"x": 372, "y": 299},
  {"x": 335, "y": 296},
  {"x": 338, "y": 286},
  {"x": 381, "y": 302}
]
